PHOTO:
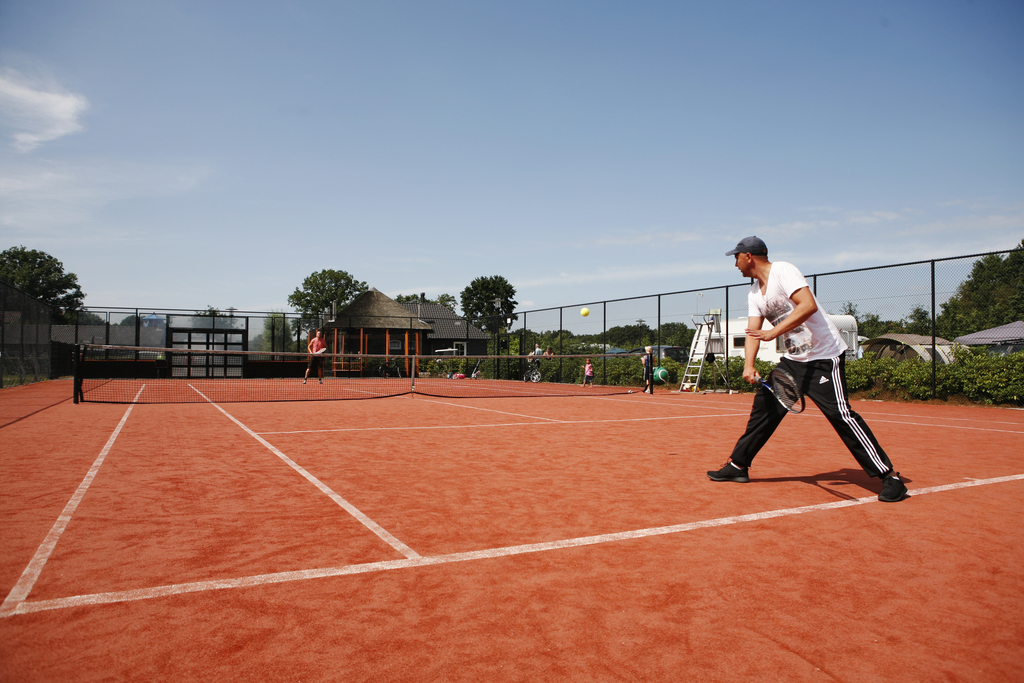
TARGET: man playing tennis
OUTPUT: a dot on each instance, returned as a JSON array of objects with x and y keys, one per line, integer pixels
[{"x": 814, "y": 358}]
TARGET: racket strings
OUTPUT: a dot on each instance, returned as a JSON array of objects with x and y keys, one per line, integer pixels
[{"x": 785, "y": 388}]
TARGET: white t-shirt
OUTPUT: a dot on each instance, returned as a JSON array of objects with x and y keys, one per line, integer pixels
[{"x": 817, "y": 338}]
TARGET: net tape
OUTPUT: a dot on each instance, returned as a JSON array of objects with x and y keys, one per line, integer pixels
[{"x": 125, "y": 374}]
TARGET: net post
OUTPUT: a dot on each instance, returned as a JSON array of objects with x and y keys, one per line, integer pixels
[
  {"x": 412, "y": 373},
  {"x": 76, "y": 389}
]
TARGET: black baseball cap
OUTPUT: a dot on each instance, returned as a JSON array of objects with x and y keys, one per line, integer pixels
[{"x": 750, "y": 245}]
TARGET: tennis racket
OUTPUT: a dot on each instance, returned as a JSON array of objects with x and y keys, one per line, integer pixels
[{"x": 784, "y": 388}]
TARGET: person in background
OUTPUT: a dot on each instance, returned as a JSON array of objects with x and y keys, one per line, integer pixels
[
  {"x": 315, "y": 347},
  {"x": 648, "y": 360}
]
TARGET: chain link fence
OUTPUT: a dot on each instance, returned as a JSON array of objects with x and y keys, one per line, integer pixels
[
  {"x": 24, "y": 337},
  {"x": 911, "y": 322}
]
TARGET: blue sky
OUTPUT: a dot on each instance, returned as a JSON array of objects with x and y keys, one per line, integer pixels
[{"x": 185, "y": 154}]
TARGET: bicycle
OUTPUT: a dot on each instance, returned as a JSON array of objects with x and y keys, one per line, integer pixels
[
  {"x": 532, "y": 374},
  {"x": 387, "y": 370}
]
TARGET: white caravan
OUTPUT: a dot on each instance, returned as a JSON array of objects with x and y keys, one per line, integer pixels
[{"x": 771, "y": 351}]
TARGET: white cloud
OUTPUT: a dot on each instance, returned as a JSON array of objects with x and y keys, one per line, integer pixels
[
  {"x": 38, "y": 112},
  {"x": 874, "y": 217},
  {"x": 55, "y": 199}
]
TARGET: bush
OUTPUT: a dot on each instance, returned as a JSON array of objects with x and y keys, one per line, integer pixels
[{"x": 975, "y": 374}]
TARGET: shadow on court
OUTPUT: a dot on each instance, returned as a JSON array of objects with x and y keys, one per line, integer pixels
[
  {"x": 18, "y": 403},
  {"x": 834, "y": 482}
]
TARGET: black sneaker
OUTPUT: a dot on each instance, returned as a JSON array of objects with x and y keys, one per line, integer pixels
[
  {"x": 730, "y": 472},
  {"x": 893, "y": 490}
]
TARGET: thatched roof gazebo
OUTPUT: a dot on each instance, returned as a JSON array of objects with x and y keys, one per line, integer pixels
[{"x": 374, "y": 324}]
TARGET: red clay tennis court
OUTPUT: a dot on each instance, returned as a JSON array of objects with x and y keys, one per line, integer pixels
[{"x": 448, "y": 539}]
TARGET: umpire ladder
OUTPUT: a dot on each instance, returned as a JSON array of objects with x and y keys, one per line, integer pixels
[{"x": 700, "y": 356}]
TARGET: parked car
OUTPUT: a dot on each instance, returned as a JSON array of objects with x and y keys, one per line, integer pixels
[{"x": 676, "y": 353}]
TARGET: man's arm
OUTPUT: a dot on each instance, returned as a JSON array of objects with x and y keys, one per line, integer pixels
[
  {"x": 805, "y": 308},
  {"x": 750, "y": 347}
]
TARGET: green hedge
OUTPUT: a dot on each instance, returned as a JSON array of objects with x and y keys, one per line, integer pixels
[{"x": 975, "y": 375}]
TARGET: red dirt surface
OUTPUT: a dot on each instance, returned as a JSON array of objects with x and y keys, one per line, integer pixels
[{"x": 931, "y": 588}]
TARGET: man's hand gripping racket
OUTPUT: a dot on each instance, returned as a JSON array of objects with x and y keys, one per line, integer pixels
[{"x": 784, "y": 388}]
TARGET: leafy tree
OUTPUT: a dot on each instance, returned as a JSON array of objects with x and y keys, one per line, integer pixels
[
  {"x": 42, "y": 276},
  {"x": 918, "y": 322},
  {"x": 87, "y": 318},
  {"x": 276, "y": 335},
  {"x": 446, "y": 300},
  {"x": 871, "y": 325},
  {"x": 490, "y": 301},
  {"x": 993, "y": 295},
  {"x": 629, "y": 336},
  {"x": 320, "y": 290},
  {"x": 677, "y": 334}
]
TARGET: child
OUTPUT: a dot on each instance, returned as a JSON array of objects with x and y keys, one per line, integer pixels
[
  {"x": 588, "y": 374},
  {"x": 648, "y": 360}
]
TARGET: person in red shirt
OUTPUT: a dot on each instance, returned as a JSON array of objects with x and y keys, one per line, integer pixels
[{"x": 315, "y": 347}]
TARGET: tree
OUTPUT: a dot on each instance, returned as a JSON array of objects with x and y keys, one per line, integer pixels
[
  {"x": 320, "y": 290},
  {"x": 42, "y": 276},
  {"x": 446, "y": 300},
  {"x": 993, "y": 295},
  {"x": 489, "y": 301},
  {"x": 275, "y": 335},
  {"x": 871, "y": 325}
]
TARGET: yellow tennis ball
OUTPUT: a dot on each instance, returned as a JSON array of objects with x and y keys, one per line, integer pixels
[{"x": 585, "y": 312}]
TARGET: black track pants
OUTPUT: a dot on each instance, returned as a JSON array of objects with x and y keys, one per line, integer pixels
[{"x": 824, "y": 382}]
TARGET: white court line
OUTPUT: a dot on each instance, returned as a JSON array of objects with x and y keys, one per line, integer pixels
[
  {"x": 491, "y": 410},
  {"x": 307, "y": 574},
  {"x": 873, "y": 418},
  {"x": 506, "y": 424},
  {"x": 947, "y": 426},
  {"x": 947, "y": 419},
  {"x": 382, "y": 533},
  {"x": 35, "y": 566}
]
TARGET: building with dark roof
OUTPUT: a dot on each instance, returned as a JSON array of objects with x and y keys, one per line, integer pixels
[{"x": 448, "y": 331}]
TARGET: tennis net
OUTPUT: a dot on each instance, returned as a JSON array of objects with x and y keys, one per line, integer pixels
[{"x": 128, "y": 374}]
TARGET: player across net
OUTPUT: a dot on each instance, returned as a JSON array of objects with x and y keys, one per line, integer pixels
[{"x": 127, "y": 374}]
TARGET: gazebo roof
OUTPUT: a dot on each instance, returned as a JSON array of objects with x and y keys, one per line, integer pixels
[{"x": 376, "y": 311}]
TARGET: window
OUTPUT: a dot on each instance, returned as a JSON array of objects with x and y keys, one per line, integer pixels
[
  {"x": 460, "y": 348},
  {"x": 739, "y": 341}
]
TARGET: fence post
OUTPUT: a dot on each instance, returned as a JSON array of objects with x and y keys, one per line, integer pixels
[
  {"x": 935, "y": 350},
  {"x": 604, "y": 342},
  {"x": 659, "y": 330}
]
